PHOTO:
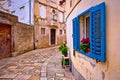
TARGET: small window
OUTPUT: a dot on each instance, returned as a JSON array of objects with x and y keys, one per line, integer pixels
[
  {"x": 21, "y": 8},
  {"x": 70, "y": 3},
  {"x": 42, "y": 11},
  {"x": 61, "y": 17},
  {"x": 22, "y": 18},
  {"x": 53, "y": 15},
  {"x": 12, "y": 12},
  {"x": 9, "y": 3},
  {"x": 60, "y": 32},
  {"x": 42, "y": 31},
  {"x": 64, "y": 31}
]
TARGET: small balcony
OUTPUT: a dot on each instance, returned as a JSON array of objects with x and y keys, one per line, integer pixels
[{"x": 53, "y": 22}]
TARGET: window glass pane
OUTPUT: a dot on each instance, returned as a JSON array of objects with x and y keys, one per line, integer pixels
[
  {"x": 61, "y": 17},
  {"x": 64, "y": 31},
  {"x": 53, "y": 15},
  {"x": 88, "y": 27},
  {"x": 9, "y": 2},
  {"x": 42, "y": 31},
  {"x": 42, "y": 11},
  {"x": 85, "y": 33},
  {"x": 70, "y": 3}
]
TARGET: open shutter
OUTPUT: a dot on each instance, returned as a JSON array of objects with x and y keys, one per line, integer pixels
[
  {"x": 97, "y": 32},
  {"x": 75, "y": 25}
]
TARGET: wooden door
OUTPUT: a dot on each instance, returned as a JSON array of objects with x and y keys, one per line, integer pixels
[
  {"x": 53, "y": 31},
  {"x": 5, "y": 40}
]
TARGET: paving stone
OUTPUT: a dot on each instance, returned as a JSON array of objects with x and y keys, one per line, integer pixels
[
  {"x": 34, "y": 77},
  {"x": 43, "y": 74},
  {"x": 51, "y": 79},
  {"x": 28, "y": 68},
  {"x": 30, "y": 65},
  {"x": 8, "y": 76},
  {"x": 23, "y": 77},
  {"x": 5, "y": 79},
  {"x": 43, "y": 78},
  {"x": 60, "y": 75}
]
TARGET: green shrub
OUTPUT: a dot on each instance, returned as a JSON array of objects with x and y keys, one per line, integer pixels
[
  {"x": 64, "y": 62},
  {"x": 63, "y": 48},
  {"x": 84, "y": 47},
  {"x": 60, "y": 47}
]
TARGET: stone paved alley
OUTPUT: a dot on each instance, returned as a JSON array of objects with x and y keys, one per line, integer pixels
[{"x": 40, "y": 64}]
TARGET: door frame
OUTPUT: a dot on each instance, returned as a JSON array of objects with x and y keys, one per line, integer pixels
[
  {"x": 55, "y": 36},
  {"x": 11, "y": 38}
]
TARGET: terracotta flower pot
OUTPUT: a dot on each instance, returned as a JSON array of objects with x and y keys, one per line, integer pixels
[{"x": 65, "y": 54}]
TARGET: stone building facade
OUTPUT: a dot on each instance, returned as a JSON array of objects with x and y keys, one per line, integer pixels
[
  {"x": 15, "y": 37},
  {"x": 101, "y": 19},
  {"x": 4, "y": 5},
  {"x": 49, "y": 23}
]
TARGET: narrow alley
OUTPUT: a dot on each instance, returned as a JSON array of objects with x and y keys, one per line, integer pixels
[{"x": 40, "y": 64}]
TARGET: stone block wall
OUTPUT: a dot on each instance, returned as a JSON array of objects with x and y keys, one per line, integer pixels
[
  {"x": 23, "y": 38},
  {"x": 44, "y": 41},
  {"x": 22, "y": 35}
]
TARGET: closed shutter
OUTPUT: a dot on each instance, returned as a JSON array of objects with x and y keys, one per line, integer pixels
[
  {"x": 75, "y": 25},
  {"x": 97, "y": 32},
  {"x": 43, "y": 11}
]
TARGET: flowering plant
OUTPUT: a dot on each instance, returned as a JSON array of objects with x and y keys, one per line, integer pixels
[{"x": 85, "y": 45}]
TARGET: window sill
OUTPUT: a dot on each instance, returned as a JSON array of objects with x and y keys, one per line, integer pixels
[
  {"x": 61, "y": 22},
  {"x": 85, "y": 53}
]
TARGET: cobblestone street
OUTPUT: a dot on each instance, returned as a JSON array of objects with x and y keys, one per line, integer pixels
[{"x": 40, "y": 64}]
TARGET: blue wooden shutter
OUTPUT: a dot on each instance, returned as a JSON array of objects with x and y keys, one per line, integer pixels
[
  {"x": 75, "y": 25},
  {"x": 97, "y": 32}
]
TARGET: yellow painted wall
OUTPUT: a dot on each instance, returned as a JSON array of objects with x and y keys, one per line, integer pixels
[{"x": 88, "y": 67}]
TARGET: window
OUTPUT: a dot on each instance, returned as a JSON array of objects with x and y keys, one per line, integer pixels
[
  {"x": 21, "y": 8},
  {"x": 42, "y": 11},
  {"x": 42, "y": 31},
  {"x": 53, "y": 15},
  {"x": 60, "y": 32},
  {"x": 13, "y": 12},
  {"x": 89, "y": 32},
  {"x": 64, "y": 31},
  {"x": 70, "y": 3},
  {"x": 85, "y": 26},
  {"x": 61, "y": 17},
  {"x": 9, "y": 3}
]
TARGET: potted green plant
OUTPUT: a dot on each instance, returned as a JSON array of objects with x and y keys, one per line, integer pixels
[
  {"x": 64, "y": 50},
  {"x": 85, "y": 45},
  {"x": 64, "y": 62}
]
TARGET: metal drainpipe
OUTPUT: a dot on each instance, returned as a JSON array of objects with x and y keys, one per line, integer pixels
[{"x": 31, "y": 8}]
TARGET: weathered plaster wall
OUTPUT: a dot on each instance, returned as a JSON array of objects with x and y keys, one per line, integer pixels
[
  {"x": 88, "y": 67},
  {"x": 21, "y": 34},
  {"x": 23, "y": 38}
]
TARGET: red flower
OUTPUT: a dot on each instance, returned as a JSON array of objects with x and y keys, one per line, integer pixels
[
  {"x": 88, "y": 50},
  {"x": 85, "y": 40}
]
